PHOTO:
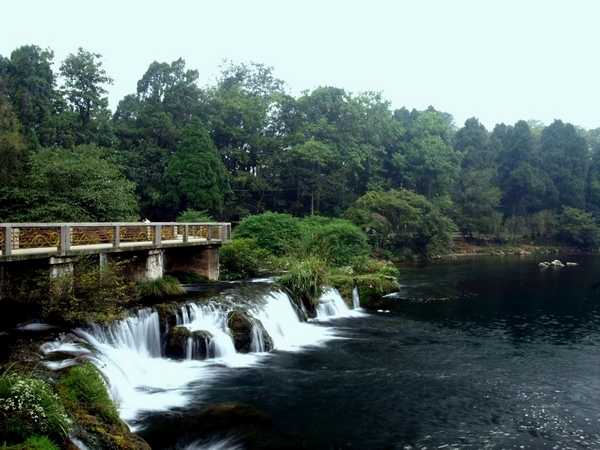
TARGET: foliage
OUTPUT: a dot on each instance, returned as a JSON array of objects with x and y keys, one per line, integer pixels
[
  {"x": 90, "y": 294},
  {"x": 167, "y": 286},
  {"x": 28, "y": 407},
  {"x": 402, "y": 220},
  {"x": 34, "y": 443},
  {"x": 336, "y": 241},
  {"x": 244, "y": 145},
  {"x": 78, "y": 184},
  {"x": 83, "y": 387},
  {"x": 578, "y": 228},
  {"x": 196, "y": 173},
  {"x": 278, "y": 233},
  {"x": 243, "y": 258},
  {"x": 305, "y": 280},
  {"x": 193, "y": 215},
  {"x": 373, "y": 279}
]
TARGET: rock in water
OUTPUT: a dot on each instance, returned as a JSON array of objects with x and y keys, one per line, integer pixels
[
  {"x": 176, "y": 342},
  {"x": 572, "y": 264},
  {"x": 183, "y": 343},
  {"x": 199, "y": 346},
  {"x": 240, "y": 325},
  {"x": 261, "y": 341}
]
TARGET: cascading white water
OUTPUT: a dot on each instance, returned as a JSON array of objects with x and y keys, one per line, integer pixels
[
  {"x": 332, "y": 306},
  {"x": 280, "y": 320},
  {"x": 212, "y": 319},
  {"x": 355, "y": 299},
  {"x": 129, "y": 355},
  {"x": 129, "y": 351}
]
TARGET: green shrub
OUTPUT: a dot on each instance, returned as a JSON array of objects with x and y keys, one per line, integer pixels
[
  {"x": 243, "y": 258},
  {"x": 373, "y": 278},
  {"x": 337, "y": 242},
  {"x": 167, "y": 286},
  {"x": 34, "y": 443},
  {"x": 193, "y": 215},
  {"x": 305, "y": 280},
  {"x": 83, "y": 387},
  {"x": 28, "y": 406},
  {"x": 275, "y": 232},
  {"x": 577, "y": 227}
]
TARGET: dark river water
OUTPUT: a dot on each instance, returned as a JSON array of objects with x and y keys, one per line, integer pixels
[{"x": 486, "y": 353}]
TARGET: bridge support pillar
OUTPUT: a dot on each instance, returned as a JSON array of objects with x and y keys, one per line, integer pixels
[
  {"x": 60, "y": 266},
  {"x": 203, "y": 261},
  {"x": 155, "y": 264},
  {"x": 61, "y": 275}
]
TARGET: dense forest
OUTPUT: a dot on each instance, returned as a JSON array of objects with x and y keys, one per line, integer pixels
[{"x": 245, "y": 145}]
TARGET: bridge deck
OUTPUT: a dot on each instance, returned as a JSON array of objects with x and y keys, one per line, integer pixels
[{"x": 20, "y": 242}]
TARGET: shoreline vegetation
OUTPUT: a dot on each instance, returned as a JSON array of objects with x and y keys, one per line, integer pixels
[{"x": 329, "y": 188}]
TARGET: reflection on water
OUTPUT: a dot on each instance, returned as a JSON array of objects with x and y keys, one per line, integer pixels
[{"x": 488, "y": 353}]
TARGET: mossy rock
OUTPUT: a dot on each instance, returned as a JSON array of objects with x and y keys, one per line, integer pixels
[
  {"x": 201, "y": 344},
  {"x": 176, "y": 342},
  {"x": 240, "y": 326},
  {"x": 267, "y": 341},
  {"x": 167, "y": 316},
  {"x": 85, "y": 395}
]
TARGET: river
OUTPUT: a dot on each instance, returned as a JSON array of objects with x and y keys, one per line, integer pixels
[{"x": 481, "y": 353}]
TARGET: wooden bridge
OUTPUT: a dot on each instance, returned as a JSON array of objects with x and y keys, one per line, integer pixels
[{"x": 149, "y": 248}]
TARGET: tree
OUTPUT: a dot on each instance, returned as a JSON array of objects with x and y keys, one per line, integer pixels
[
  {"x": 576, "y": 227},
  {"x": 565, "y": 160},
  {"x": 78, "y": 185},
  {"x": 84, "y": 87},
  {"x": 30, "y": 85},
  {"x": 593, "y": 183},
  {"x": 476, "y": 194},
  {"x": 14, "y": 158},
  {"x": 525, "y": 187},
  {"x": 402, "y": 221},
  {"x": 309, "y": 164},
  {"x": 195, "y": 173}
]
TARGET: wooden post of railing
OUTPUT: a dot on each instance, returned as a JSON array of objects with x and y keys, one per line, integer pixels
[
  {"x": 7, "y": 249},
  {"x": 117, "y": 236},
  {"x": 157, "y": 235},
  {"x": 65, "y": 240},
  {"x": 209, "y": 233},
  {"x": 186, "y": 233}
]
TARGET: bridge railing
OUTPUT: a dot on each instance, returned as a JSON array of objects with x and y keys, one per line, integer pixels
[{"x": 64, "y": 238}]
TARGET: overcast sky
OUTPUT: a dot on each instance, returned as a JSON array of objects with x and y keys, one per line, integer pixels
[{"x": 498, "y": 60}]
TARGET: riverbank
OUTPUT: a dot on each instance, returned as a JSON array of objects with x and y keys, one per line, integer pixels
[{"x": 465, "y": 248}]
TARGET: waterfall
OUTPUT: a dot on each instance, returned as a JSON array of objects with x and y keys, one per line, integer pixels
[
  {"x": 332, "y": 306},
  {"x": 129, "y": 352},
  {"x": 355, "y": 298},
  {"x": 212, "y": 319}
]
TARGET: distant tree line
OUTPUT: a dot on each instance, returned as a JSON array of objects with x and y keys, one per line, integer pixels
[{"x": 245, "y": 145}]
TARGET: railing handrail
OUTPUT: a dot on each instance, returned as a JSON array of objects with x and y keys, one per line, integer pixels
[{"x": 104, "y": 224}]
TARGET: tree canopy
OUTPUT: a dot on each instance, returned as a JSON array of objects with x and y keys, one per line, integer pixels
[{"x": 244, "y": 145}]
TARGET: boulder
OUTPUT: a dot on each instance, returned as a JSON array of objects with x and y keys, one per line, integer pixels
[
  {"x": 261, "y": 341},
  {"x": 249, "y": 335},
  {"x": 176, "y": 342},
  {"x": 179, "y": 338},
  {"x": 557, "y": 263},
  {"x": 201, "y": 344},
  {"x": 240, "y": 325},
  {"x": 167, "y": 316}
]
